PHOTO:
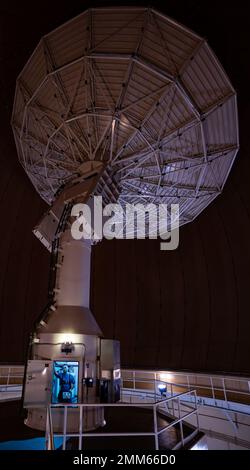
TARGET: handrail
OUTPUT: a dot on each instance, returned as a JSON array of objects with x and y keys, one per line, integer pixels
[
  {"x": 174, "y": 373},
  {"x": 192, "y": 374},
  {"x": 49, "y": 435},
  {"x": 120, "y": 404},
  {"x": 154, "y": 406},
  {"x": 199, "y": 386},
  {"x": 209, "y": 388}
]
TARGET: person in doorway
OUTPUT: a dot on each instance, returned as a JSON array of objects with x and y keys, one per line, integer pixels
[{"x": 67, "y": 382}]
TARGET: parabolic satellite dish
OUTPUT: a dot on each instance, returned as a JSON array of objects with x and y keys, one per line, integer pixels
[{"x": 135, "y": 94}]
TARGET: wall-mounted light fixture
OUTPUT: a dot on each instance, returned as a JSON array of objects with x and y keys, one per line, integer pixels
[{"x": 67, "y": 347}]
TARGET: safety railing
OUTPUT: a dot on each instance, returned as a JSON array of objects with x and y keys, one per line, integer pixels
[
  {"x": 174, "y": 415},
  {"x": 212, "y": 390},
  {"x": 11, "y": 378},
  {"x": 228, "y": 392}
]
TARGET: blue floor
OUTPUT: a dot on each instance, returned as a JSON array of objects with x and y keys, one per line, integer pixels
[{"x": 38, "y": 443}]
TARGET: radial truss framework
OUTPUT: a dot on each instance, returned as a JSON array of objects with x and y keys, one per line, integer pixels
[{"x": 133, "y": 89}]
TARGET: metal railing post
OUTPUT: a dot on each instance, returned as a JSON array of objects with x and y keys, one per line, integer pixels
[
  {"x": 172, "y": 405},
  {"x": 225, "y": 393},
  {"x": 49, "y": 436},
  {"x": 182, "y": 437},
  {"x": 8, "y": 379},
  {"x": 196, "y": 407},
  {"x": 212, "y": 388},
  {"x": 181, "y": 425},
  {"x": 155, "y": 427},
  {"x": 121, "y": 388},
  {"x": 80, "y": 428},
  {"x": 179, "y": 409},
  {"x": 65, "y": 415},
  {"x": 51, "y": 441},
  {"x": 47, "y": 430}
]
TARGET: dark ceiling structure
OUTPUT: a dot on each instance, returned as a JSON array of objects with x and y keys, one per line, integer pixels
[{"x": 186, "y": 309}]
